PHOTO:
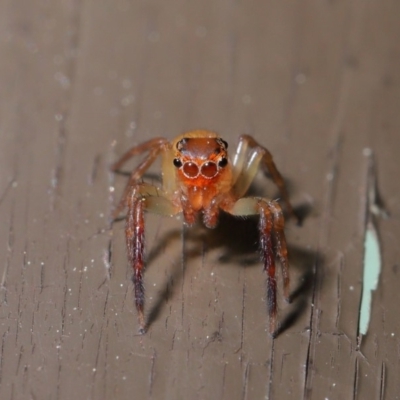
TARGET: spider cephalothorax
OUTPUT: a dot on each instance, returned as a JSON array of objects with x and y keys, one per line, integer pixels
[
  {"x": 200, "y": 179},
  {"x": 200, "y": 158}
]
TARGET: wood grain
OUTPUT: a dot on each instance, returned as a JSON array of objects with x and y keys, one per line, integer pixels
[{"x": 81, "y": 82}]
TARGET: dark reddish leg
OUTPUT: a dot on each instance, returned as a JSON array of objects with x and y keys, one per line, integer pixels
[
  {"x": 146, "y": 146},
  {"x": 154, "y": 147},
  {"x": 268, "y": 256},
  {"x": 272, "y": 243},
  {"x": 135, "y": 245},
  {"x": 280, "y": 243}
]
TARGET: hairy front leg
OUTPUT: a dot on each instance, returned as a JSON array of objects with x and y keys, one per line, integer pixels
[
  {"x": 280, "y": 243},
  {"x": 134, "y": 232},
  {"x": 143, "y": 197},
  {"x": 272, "y": 243},
  {"x": 141, "y": 148}
]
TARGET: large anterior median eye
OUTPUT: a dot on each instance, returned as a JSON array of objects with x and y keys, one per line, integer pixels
[
  {"x": 190, "y": 169},
  {"x": 209, "y": 169}
]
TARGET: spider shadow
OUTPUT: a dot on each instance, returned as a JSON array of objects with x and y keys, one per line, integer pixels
[
  {"x": 240, "y": 248},
  {"x": 304, "y": 260}
]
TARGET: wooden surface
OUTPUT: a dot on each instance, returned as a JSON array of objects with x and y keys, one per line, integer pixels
[{"x": 317, "y": 82}]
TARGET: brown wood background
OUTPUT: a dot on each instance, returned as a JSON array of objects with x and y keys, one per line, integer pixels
[{"x": 318, "y": 82}]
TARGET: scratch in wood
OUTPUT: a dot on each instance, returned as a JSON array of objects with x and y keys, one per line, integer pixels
[
  {"x": 339, "y": 290},
  {"x": 188, "y": 330},
  {"x": 21, "y": 352},
  {"x": 10, "y": 246},
  {"x": 33, "y": 324},
  {"x": 223, "y": 380},
  {"x": 105, "y": 370},
  {"x": 356, "y": 378},
  {"x": 383, "y": 381},
  {"x": 41, "y": 277},
  {"x": 242, "y": 318},
  {"x": 105, "y": 305},
  {"x": 167, "y": 319},
  {"x": 82, "y": 342},
  {"x": 81, "y": 272},
  {"x": 173, "y": 340},
  {"x": 101, "y": 330},
  {"x": 246, "y": 381},
  {"x": 332, "y": 358},
  {"x": 376, "y": 345},
  {"x": 107, "y": 259},
  {"x": 3, "y": 286},
  {"x": 339, "y": 341},
  {"x": 271, "y": 369},
  {"x": 19, "y": 313},
  {"x": 58, "y": 385},
  {"x": 64, "y": 306},
  {"x": 3, "y": 341},
  {"x": 94, "y": 171},
  {"x": 215, "y": 337},
  {"x": 124, "y": 298},
  {"x": 311, "y": 341},
  {"x": 152, "y": 369},
  {"x": 25, "y": 263},
  {"x": 374, "y": 203}
]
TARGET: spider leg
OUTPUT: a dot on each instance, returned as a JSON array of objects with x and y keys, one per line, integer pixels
[
  {"x": 145, "y": 146},
  {"x": 272, "y": 243},
  {"x": 154, "y": 146},
  {"x": 134, "y": 232},
  {"x": 244, "y": 173},
  {"x": 141, "y": 198}
]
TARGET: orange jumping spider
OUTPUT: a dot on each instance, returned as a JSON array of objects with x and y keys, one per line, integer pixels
[{"x": 198, "y": 177}]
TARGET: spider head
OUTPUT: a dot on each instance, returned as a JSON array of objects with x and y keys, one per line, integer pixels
[{"x": 201, "y": 160}]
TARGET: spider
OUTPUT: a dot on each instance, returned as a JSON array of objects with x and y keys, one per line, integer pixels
[{"x": 199, "y": 178}]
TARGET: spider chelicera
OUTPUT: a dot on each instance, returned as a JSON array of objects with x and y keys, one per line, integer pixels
[{"x": 199, "y": 178}]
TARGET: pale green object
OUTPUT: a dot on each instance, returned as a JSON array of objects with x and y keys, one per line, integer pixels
[{"x": 372, "y": 269}]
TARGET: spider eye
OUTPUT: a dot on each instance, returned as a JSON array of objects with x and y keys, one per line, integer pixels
[
  {"x": 181, "y": 143},
  {"x": 223, "y": 162},
  {"x": 190, "y": 169},
  {"x": 209, "y": 169},
  {"x": 177, "y": 162},
  {"x": 224, "y": 143}
]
